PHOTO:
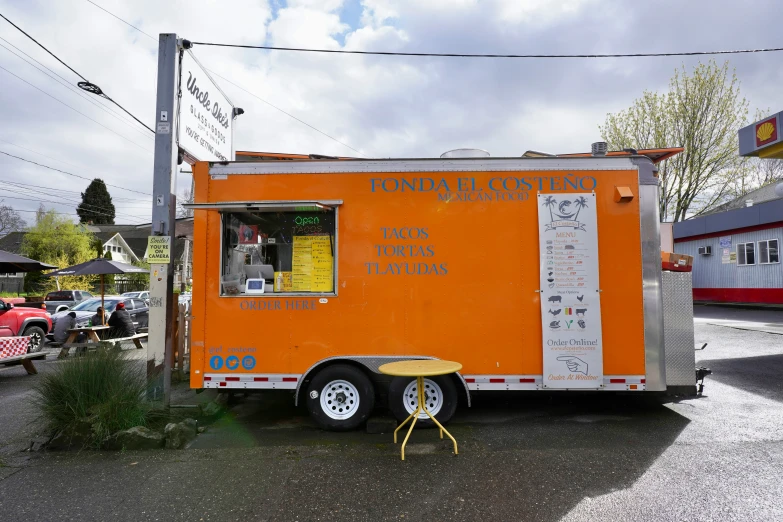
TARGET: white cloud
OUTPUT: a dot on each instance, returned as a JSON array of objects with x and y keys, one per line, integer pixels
[{"x": 382, "y": 106}]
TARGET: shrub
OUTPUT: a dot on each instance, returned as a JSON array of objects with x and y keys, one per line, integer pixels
[{"x": 103, "y": 388}]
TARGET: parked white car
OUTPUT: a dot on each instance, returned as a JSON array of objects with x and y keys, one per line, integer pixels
[{"x": 145, "y": 295}]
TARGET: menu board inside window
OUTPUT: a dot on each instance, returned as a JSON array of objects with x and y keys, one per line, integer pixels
[{"x": 313, "y": 264}]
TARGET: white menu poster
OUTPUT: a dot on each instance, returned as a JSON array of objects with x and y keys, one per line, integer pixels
[{"x": 570, "y": 301}]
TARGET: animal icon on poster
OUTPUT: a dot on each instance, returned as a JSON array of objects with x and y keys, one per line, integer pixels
[
  {"x": 580, "y": 297},
  {"x": 580, "y": 312},
  {"x": 555, "y": 312},
  {"x": 555, "y": 299},
  {"x": 554, "y": 324}
]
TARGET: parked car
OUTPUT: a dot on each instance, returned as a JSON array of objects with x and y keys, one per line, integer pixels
[
  {"x": 141, "y": 295},
  {"x": 137, "y": 308},
  {"x": 62, "y": 299},
  {"x": 18, "y": 321}
]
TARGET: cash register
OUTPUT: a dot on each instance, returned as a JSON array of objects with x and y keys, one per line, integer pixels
[{"x": 259, "y": 279}]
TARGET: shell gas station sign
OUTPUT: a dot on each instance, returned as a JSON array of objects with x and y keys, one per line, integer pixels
[{"x": 763, "y": 138}]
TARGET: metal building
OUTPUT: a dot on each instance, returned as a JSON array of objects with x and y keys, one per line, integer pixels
[{"x": 736, "y": 254}]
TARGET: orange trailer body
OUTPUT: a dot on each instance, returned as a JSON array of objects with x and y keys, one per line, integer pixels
[{"x": 457, "y": 279}]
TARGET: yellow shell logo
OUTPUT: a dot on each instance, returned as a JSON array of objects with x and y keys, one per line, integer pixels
[{"x": 764, "y": 132}]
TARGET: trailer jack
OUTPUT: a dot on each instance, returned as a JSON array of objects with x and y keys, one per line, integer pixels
[{"x": 701, "y": 373}]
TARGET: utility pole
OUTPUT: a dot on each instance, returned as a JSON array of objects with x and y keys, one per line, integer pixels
[{"x": 164, "y": 207}]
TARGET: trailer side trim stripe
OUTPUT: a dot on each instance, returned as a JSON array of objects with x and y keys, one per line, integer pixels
[{"x": 271, "y": 381}]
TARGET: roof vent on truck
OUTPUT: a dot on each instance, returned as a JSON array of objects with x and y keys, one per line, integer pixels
[
  {"x": 465, "y": 153},
  {"x": 599, "y": 148}
]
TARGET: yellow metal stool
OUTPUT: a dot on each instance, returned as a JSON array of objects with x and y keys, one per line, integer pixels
[{"x": 420, "y": 369}]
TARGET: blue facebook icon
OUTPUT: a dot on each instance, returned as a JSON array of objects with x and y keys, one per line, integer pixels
[{"x": 216, "y": 362}]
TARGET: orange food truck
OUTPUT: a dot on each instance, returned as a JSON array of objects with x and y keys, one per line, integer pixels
[{"x": 535, "y": 273}]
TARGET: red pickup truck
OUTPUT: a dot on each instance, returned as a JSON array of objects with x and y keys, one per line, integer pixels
[{"x": 17, "y": 320}]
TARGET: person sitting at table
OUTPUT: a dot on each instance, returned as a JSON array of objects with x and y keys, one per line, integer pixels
[
  {"x": 121, "y": 323},
  {"x": 96, "y": 320},
  {"x": 99, "y": 319},
  {"x": 62, "y": 326}
]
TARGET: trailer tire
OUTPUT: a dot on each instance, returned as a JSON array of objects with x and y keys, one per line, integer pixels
[
  {"x": 440, "y": 391},
  {"x": 340, "y": 397}
]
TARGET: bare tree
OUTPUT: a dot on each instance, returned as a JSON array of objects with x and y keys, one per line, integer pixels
[
  {"x": 702, "y": 113},
  {"x": 185, "y": 196},
  {"x": 10, "y": 220}
]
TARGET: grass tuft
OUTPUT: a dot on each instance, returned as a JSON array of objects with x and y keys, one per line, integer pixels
[{"x": 103, "y": 388}]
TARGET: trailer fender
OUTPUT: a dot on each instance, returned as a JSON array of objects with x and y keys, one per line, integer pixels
[{"x": 370, "y": 363}]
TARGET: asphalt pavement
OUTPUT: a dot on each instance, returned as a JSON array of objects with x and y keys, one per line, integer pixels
[{"x": 522, "y": 456}]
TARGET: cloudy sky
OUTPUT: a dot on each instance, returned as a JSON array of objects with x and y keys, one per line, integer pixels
[{"x": 380, "y": 106}]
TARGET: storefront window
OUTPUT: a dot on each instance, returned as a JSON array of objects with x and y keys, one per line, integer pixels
[{"x": 278, "y": 252}]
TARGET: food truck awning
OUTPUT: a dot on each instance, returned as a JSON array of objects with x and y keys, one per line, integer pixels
[
  {"x": 656, "y": 155},
  {"x": 269, "y": 206}
]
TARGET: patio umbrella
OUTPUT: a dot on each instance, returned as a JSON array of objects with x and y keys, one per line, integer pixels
[
  {"x": 12, "y": 263},
  {"x": 101, "y": 267}
]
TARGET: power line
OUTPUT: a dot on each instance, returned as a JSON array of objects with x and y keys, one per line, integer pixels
[
  {"x": 60, "y": 203},
  {"x": 75, "y": 110},
  {"x": 63, "y": 201},
  {"x": 66, "y": 163},
  {"x": 234, "y": 84},
  {"x": 467, "y": 55},
  {"x": 45, "y": 211},
  {"x": 76, "y": 90},
  {"x": 70, "y": 173},
  {"x": 284, "y": 112},
  {"x": 97, "y": 89},
  {"x": 121, "y": 20}
]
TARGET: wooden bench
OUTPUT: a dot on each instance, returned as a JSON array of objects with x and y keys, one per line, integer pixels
[
  {"x": 103, "y": 343},
  {"x": 25, "y": 360},
  {"x": 135, "y": 338}
]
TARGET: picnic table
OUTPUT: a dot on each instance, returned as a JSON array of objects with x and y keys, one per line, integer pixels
[
  {"x": 94, "y": 340},
  {"x": 13, "y": 350},
  {"x": 73, "y": 333}
]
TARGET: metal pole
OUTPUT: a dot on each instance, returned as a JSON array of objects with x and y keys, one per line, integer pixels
[
  {"x": 103, "y": 310},
  {"x": 164, "y": 206}
]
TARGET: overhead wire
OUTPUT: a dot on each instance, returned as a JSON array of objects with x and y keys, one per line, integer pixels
[
  {"x": 75, "y": 110},
  {"x": 61, "y": 203},
  {"x": 123, "y": 21},
  {"x": 72, "y": 165},
  {"x": 234, "y": 84},
  {"x": 470, "y": 55},
  {"x": 70, "y": 173},
  {"x": 70, "y": 87},
  {"x": 64, "y": 200},
  {"x": 284, "y": 112},
  {"x": 98, "y": 92}
]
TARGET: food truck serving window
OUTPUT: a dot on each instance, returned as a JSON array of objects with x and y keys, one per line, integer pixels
[{"x": 278, "y": 251}]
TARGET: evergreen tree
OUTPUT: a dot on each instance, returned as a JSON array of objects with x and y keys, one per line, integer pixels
[{"x": 96, "y": 206}]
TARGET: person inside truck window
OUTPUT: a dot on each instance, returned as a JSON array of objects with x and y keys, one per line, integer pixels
[{"x": 293, "y": 251}]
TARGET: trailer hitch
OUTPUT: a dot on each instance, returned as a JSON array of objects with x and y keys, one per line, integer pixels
[{"x": 701, "y": 373}]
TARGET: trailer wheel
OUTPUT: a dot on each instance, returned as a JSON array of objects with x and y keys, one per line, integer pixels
[
  {"x": 440, "y": 395},
  {"x": 340, "y": 397}
]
